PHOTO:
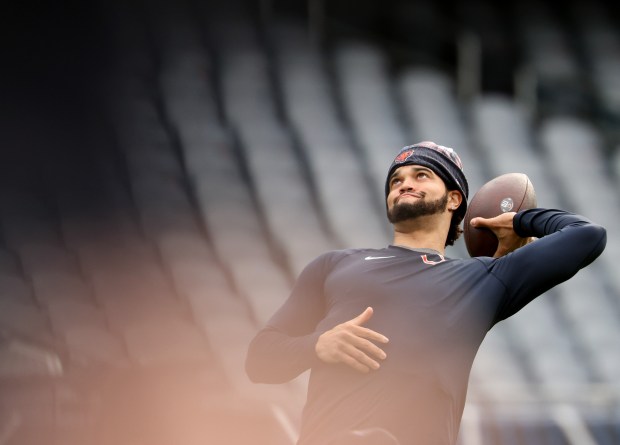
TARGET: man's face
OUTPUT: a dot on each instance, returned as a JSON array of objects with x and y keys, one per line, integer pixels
[{"x": 415, "y": 191}]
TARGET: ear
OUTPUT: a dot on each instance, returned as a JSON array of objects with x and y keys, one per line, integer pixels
[{"x": 454, "y": 199}]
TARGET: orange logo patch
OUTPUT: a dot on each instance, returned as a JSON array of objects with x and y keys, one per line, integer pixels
[{"x": 403, "y": 155}]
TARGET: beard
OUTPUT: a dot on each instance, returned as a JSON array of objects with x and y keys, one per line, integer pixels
[{"x": 410, "y": 210}]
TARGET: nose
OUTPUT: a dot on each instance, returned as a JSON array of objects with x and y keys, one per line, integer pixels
[{"x": 407, "y": 184}]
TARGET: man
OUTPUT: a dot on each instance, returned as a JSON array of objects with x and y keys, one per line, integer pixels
[{"x": 390, "y": 334}]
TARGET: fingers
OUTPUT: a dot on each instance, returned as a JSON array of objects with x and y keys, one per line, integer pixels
[
  {"x": 369, "y": 334},
  {"x": 480, "y": 222},
  {"x": 502, "y": 228},
  {"x": 366, "y": 347},
  {"x": 503, "y": 220},
  {"x": 359, "y": 351},
  {"x": 352, "y": 344},
  {"x": 358, "y": 360},
  {"x": 363, "y": 317},
  {"x": 477, "y": 222},
  {"x": 340, "y": 345},
  {"x": 357, "y": 322},
  {"x": 361, "y": 355}
]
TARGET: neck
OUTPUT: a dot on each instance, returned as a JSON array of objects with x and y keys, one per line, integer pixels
[{"x": 422, "y": 233}]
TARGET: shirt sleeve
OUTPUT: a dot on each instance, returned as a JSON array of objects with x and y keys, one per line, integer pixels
[
  {"x": 567, "y": 243},
  {"x": 284, "y": 348}
]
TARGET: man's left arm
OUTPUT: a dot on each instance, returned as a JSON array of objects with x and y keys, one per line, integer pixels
[{"x": 566, "y": 243}]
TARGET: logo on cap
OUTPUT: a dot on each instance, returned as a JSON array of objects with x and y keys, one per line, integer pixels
[{"x": 404, "y": 155}]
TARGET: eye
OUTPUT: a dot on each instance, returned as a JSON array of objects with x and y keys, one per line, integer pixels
[
  {"x": 395, "y": 181},
  {"x": 423, "y": 175}
]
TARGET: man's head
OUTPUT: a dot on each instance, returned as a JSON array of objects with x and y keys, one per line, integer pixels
[{"x": 435, "y": 161}]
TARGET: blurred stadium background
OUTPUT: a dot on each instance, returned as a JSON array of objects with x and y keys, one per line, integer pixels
[{"x": 168, "y": 167}]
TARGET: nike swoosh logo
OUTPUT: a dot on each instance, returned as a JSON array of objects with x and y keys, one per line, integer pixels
[{"x": 378, "y": 257}]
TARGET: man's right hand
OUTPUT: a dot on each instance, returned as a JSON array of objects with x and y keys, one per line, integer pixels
[
  {"x": 502, "y": 228},
  {"x": 352, "y": 344}
]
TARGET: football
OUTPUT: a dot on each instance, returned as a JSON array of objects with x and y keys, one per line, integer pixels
[{"x": 510, "y": 192}]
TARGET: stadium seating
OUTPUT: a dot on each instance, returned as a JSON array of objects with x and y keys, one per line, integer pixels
[{"x": 145, "y": 243}]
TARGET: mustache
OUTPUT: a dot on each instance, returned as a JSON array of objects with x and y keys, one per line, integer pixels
[{"x": 420, "y": 195}]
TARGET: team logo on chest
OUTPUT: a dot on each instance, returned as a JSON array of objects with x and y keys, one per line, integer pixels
[{"x": 433, "y": 262}]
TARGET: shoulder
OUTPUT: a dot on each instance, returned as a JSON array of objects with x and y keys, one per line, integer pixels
[
  {"x": 335, "y": 256},
  {"x": 321, "y": 266},
  {"x": 331, "y": 258},
  {"x": 471, "y": 264},
  {"x": 477, "y": 268}
]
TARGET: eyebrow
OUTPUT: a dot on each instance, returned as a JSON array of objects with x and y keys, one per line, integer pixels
[
  {"x": 415, "y": 168},
  {"x": 421, "y": 168}
]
